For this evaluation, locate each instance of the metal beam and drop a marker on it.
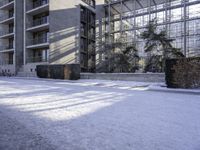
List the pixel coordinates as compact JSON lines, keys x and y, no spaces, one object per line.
{"x":154,"y":2}
{"x":139,"y":3}
{"x":126,"y":6}
{"x":178,"y":21}
{"x":159,"y":10}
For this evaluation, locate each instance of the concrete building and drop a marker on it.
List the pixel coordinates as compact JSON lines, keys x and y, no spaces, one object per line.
{"x":8,"y":35}
{"x":48,"y":31}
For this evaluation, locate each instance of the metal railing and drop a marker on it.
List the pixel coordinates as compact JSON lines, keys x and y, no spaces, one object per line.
{"x":6,"y":62}
{"x":7,"y":47}
{"x":2,"y":33}
{"x":5,"y":2}
{"x":37,"y":4}
{"x":40,"y":21}
{"x":36,"y":41}
{"x":5,"y":17}
{"x":37,"y":59}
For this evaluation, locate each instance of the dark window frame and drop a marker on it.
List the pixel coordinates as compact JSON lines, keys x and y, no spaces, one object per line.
{"x":91,"y":3}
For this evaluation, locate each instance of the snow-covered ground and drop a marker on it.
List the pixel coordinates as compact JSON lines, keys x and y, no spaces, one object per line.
{"x":103,"y":115}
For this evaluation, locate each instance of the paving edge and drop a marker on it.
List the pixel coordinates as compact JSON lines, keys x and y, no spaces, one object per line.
{"x":169,"y":90}
{"x":150,"y":88}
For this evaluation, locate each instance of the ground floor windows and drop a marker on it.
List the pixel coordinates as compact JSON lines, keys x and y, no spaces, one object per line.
{"x":38,"y":55}
{"x":6,"y":58}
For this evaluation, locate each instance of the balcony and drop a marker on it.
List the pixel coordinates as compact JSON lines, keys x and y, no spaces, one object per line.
{"x":38,"y":43}
{"x":37,"y":7}
{"x":7,"y":48}
{"x":6,"y":4}
{"x":6,"y":19}
{"x":6,"y":34}
{"x":39,"y":24}
{"x":37,"y":59}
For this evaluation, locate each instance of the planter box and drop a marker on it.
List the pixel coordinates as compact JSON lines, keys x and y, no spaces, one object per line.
{"x":69,"y":71}
{"x":183,"y":73}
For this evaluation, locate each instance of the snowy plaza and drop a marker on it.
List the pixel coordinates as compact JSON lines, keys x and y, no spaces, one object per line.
{"x":96,"y":115}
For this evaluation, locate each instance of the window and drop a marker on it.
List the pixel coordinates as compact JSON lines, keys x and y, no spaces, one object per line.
{"x":40,"y":37}
{"x":40,"y":55}
{"x":11,"y":13}
{"x":11,"y":28}
{"x":90,"y":2}
{"x":10,"y":58}
{"x":38,"y":3}
{"x":10,"y":43}
{"x":40,"y":19}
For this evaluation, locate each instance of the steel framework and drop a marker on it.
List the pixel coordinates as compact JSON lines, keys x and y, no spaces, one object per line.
{"x":181,"y":19}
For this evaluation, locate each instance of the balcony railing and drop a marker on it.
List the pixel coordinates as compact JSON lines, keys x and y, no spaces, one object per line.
{"x":8,"y":47}
{"x":40,"y":21}
{"x":37,"y":4}
{"x":37,"y":59}
{"x":5,"y":2}
{"x":3,"y":33}
{"x":6,"y":62}
{"x":37,"y":41}
{"x":6,"y":17}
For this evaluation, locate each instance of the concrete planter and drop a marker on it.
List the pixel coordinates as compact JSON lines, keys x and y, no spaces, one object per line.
{"x":68,"y":72}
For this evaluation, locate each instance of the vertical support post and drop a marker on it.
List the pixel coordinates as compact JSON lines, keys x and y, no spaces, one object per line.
{"x":149,"y":9}
{"x":133,"y":23}
{"x":109,"y":22}
{"x":134,"y":11}
{"x":169,"y":19}
{"x":166,"y":15}
{"x":185,"y":27}
{"x":121,"y":22}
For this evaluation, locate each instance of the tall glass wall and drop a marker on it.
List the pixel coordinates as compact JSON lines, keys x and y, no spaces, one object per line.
{"x":181,"y":19}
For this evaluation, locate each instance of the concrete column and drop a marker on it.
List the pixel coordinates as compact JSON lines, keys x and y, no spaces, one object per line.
{"x":19,"y":36}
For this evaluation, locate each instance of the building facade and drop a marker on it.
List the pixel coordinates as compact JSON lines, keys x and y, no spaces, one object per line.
{"x":47,"y":32}
{"x":8,"y":35}
{"x":36,"y":32}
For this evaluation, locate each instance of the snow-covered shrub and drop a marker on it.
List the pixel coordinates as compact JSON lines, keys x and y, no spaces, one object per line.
{"x":183,"y":73}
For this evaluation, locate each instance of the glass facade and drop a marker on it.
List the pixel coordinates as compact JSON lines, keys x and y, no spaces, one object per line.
{"x":180,"y":18}
{"x":87,"y":40}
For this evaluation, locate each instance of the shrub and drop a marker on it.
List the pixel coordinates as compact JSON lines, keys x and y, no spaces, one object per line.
{"x":183,"y":73}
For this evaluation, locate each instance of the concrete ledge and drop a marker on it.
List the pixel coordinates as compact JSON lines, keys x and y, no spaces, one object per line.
{"x":139,"y":77}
